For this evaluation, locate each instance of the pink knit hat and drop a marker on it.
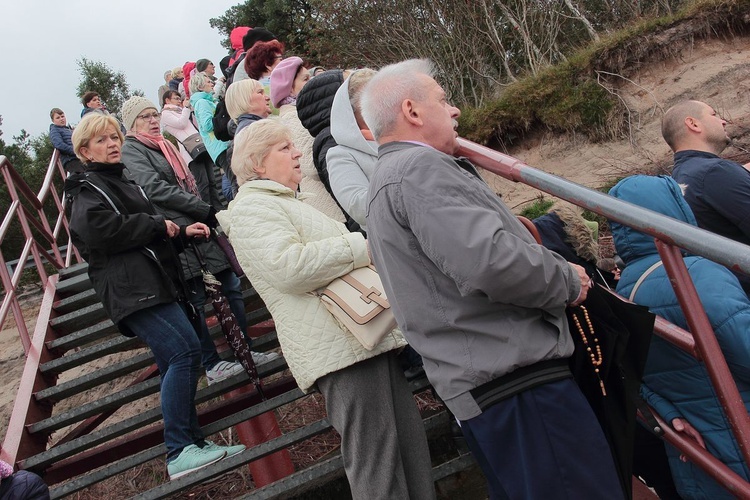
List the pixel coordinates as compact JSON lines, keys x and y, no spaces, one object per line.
{"x":282,"y":79}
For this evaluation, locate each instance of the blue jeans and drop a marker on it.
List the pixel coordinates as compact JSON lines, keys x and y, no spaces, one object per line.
{"x":230,"y":287}
{"x":166,"y":329}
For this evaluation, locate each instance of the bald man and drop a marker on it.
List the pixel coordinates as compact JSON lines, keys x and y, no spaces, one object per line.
{"x":717,"y":190}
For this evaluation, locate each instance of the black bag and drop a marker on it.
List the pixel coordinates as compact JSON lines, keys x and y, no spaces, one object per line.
{"x":194,"y":145}
{"x":221,"y":121}
{"x":231,"y":70}
{"x":623,"y":331}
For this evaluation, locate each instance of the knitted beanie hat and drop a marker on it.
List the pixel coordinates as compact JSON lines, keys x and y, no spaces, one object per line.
{"x":132,"y":108}
{"x":282,"y":79}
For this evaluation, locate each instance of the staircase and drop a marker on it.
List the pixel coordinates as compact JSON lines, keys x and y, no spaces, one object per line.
{"x":81,"y":373}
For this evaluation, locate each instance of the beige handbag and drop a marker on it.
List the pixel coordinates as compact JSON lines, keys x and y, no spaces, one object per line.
{"x":358,"y":301}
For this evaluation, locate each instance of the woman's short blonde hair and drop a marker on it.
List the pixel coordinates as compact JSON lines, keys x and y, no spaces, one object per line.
{"x":252,"y":145}
{"x":91,"y":125}
{"x":239,"y":96}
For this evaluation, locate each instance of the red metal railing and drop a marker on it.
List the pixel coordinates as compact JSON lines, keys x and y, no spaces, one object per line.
{"x":670,"y":235}
{"x":45,"y":250}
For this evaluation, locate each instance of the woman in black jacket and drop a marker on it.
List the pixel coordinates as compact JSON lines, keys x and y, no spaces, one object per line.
{"x":133,"y":269}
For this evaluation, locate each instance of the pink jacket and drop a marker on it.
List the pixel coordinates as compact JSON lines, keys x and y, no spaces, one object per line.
{"x":176,"y":121}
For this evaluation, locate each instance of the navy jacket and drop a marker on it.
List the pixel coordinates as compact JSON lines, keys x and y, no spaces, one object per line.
{"x":718,"y":192}
{"x":675,"y":384}
{"x":60,"y":137}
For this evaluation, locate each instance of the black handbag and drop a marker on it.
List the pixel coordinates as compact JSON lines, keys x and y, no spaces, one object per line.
{"x":194,"y":145}
{"x":610,"y":374}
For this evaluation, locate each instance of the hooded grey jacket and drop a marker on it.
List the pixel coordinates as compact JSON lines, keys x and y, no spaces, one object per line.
{"x":471,"y":290}
{"x":351,"y":163}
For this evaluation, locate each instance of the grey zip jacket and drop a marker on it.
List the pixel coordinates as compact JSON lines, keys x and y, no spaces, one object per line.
{"x":471,"y":290}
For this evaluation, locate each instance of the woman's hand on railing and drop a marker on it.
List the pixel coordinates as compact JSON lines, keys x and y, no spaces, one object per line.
{"x":683,"y":426}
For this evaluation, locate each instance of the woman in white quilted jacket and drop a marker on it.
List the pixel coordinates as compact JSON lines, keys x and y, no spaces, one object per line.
{"x":289,"y":249}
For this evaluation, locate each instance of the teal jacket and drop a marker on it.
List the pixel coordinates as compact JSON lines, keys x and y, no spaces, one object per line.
{"x":674,"y":383}
{"x":204,"y":108}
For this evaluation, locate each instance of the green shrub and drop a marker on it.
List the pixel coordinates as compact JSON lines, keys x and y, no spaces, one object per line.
{"x":537,"y":208}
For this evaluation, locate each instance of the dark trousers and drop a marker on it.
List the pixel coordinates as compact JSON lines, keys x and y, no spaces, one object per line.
{"x":544,"y":443}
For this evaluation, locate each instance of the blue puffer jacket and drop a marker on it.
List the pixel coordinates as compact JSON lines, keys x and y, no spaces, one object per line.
{"x":675,"y":384}
{"x":61,"y":138}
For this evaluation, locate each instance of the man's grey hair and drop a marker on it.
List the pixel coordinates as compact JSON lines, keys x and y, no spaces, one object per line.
{"x":384,"y":94}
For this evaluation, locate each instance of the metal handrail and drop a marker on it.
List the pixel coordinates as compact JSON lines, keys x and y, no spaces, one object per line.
{"x":670,"y":235}
{"x":18,"y":191}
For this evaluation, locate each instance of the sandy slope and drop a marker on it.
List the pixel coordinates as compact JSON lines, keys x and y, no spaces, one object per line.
{"x":717,"y":72}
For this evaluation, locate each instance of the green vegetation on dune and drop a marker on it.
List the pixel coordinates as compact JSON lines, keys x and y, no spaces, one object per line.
{"x":578,"y":95}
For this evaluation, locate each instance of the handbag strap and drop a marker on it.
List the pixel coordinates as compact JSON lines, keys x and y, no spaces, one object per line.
{"x":640,"y":281}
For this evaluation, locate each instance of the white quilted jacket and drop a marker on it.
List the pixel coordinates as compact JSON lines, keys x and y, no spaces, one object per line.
{"x":287,"y":249}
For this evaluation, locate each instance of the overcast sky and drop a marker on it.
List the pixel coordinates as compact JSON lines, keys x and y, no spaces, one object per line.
{"x":41,"y":40}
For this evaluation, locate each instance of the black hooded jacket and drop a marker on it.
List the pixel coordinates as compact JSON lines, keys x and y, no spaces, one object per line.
{"x":132,"y":263}
{"x":314,"y":110}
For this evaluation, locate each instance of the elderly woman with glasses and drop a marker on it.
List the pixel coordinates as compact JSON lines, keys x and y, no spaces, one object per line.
{"x":134,"y":271}
{"x":156,"y":165}
{"x":288,"y":250}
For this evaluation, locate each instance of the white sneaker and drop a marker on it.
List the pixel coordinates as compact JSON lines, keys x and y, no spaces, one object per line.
{"x":223,"y":370}
{"x":263,"y":357}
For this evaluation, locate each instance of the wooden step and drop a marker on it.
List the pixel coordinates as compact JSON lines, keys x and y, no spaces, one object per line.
{"x":74,"y":270}
{"x":94,"y":333}
{"x":83,"y":443}
{"x":119,"y":343}
{"x":212,"y":471}
{"x":74,"y":284}
{"x":118,"y":399}
{"x":76,"y":301}
{"x":78,"y":319}
{"x":88,"y":381}
{"x":110,"y":372}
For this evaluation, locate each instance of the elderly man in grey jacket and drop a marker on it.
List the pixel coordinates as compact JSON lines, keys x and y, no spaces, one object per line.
{"x":479,"y":300}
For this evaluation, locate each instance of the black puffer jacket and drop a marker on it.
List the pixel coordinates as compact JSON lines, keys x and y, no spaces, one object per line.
{"x":150,"y":170}
{"x":117,"y":230}
{"x":314,"y":111}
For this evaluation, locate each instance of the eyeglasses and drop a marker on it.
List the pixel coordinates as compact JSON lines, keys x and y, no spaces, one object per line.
{"x":279,"y":57}
{"x":149,"y":117}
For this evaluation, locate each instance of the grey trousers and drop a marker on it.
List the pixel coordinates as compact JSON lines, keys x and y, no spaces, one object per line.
{"x":383,"y":443}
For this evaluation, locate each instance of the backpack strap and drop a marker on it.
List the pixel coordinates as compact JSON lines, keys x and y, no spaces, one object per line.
{"x":638,"y":283}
